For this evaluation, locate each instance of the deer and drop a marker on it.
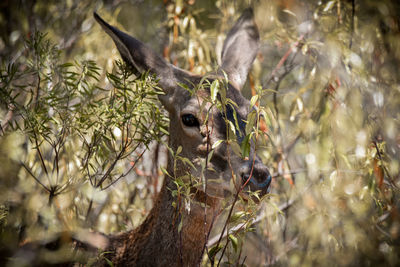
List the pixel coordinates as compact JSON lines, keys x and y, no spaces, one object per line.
{"x":171,"y":236}
{"x":157,"y":241}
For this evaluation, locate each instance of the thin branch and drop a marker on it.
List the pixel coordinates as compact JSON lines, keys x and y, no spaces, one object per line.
{"x":241,"y":189}
{"x":259,"y":218}
{"x":40,"y":153}
{"x":88,"y":210}
{"x":34,"y":177}
{"x":111,"y":168}
{"x":288,"y":245}
{"x":353,"y":12}
{"x":283,"y":59}
{"x":233,"y":205}
{"x":244,"y":259}
{"x":8,"y":117}
{"x":206,"y":232}
{"x":124,"y":174}
{"x":383,"y":166}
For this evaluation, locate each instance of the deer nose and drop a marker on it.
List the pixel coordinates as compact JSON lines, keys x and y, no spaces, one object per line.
{"x":256,"y":177}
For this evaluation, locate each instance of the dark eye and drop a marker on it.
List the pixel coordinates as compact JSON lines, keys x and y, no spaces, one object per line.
{"x":190,"y":120}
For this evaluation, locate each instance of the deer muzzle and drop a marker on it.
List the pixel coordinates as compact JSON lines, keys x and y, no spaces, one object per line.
{"x":255,"y":177}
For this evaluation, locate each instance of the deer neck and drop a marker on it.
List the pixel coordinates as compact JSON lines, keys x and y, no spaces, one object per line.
{"x":158,"y":242}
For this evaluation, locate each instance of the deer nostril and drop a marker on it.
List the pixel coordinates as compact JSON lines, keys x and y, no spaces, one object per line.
{"x":265,"y":183}
{"x":259,"y":180}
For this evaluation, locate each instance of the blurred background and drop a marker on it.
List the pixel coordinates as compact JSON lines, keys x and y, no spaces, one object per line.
{"x":328,"y":84}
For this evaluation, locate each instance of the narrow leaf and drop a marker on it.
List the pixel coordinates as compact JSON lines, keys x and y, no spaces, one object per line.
{"x":245,"y":146}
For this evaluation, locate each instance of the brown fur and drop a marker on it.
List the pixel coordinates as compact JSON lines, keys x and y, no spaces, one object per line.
{"x":157,"y":241}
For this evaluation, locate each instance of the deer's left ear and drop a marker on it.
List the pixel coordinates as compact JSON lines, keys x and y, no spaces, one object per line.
{"x":143,"y":59}
{"x":240,"y":49}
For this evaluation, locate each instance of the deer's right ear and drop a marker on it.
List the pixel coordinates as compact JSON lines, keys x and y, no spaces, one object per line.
{"x":143,"y":59}
{"x":240,"y":49}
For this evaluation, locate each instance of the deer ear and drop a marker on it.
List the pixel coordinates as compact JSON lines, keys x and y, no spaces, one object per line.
{"x":240,"y":49}
{"x":143,"y":59}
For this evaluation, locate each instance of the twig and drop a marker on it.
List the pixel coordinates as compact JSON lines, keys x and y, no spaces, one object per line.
{"x":206,"y":232}
{"x":8,"y":117}
{"x":240,"y":189}
{"x":34,"y":177}
{"x":245,"y":257}
{"x":353,"y":12}
{"x":260,"y":217}
{"x":235,"y":200}
{"x":288,"y":245}
{"x":383,"y":166}
{"x":40,"y":154}
{"x":111,"y":168}
{"x":275,"y":98}
{"x":383,"y":232}
{"x":283,"y":59}
{"x":124,"y":174}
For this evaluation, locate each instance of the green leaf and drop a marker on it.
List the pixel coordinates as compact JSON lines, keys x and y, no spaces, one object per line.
{"x":184,"y":86}
{"x":187,"y":161}
{"x":236,"y":148}
{"x":251,"y":119}
{"x":234,"y":241}
{"x":232,"y":127}
{"x":163,"y":170}
{"x":214,"y":90}
{"x":235,"y":217}
{"x":109,"y":262}
{"x":253,"y":100}
{"x":209,"y":156}
{"x":245,"y":146}
{"x":329,"y":5}
{"x":180,"y":226}
{"x":164,"y":131}
{"x":179,"y":150}
{"x":214,"y":250}
{"x":217,"y":143}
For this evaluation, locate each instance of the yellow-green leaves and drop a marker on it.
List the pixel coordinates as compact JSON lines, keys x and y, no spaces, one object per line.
{"x":254,"y":100}
{"x":214,"y":250}
{"x":246,"y":145}
{"x":251,"y":121}
{"x":234,"y":241}
{"x":214,"y":90}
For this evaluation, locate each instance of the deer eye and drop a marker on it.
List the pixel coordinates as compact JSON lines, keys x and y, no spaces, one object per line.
{"x":190,"y":120}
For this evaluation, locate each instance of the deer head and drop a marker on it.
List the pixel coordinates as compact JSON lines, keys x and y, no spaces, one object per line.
{"x":196,"y":124}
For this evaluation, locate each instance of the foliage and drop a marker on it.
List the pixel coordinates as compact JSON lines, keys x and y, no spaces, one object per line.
{"x":79,"y":139}
{"x":326,"y":87}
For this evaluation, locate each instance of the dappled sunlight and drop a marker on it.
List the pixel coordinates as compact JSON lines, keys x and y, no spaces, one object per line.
{"x":83,"y":145}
